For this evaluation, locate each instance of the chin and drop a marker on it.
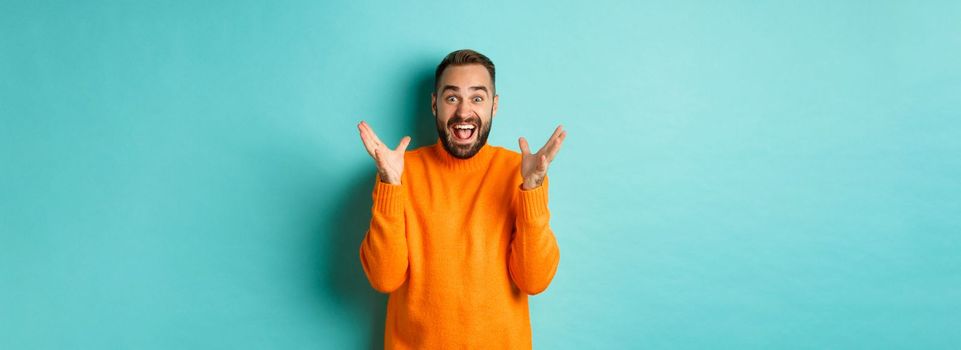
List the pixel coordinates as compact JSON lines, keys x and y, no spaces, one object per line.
{"x":468,"y":144}
{"x":464,"y":151}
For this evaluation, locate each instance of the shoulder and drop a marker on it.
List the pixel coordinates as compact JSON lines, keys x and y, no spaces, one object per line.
{"x":507,"y":162}
{"x":505,"y":151}
{"x":505,"y":155}
{"x":417,"y":152}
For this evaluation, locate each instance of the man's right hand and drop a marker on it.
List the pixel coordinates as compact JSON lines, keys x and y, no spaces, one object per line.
{"x":390,"y":162}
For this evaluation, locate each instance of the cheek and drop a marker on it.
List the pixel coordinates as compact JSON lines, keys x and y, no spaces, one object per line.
{"x":446,"y":111}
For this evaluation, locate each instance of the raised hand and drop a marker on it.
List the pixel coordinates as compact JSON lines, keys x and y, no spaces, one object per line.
{"x":534,"y":165}
{"x":390,"y":162}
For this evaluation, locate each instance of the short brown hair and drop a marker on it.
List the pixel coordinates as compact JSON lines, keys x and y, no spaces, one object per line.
{"x":461,"y":58}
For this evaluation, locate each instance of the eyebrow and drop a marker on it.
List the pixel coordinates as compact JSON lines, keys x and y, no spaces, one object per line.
{"x":452,"y":87}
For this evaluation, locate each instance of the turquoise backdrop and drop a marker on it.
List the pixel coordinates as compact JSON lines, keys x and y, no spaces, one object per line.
{"x":737,"y":175}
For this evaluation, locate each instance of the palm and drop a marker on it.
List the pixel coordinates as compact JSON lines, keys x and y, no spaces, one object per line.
{"x":534,"y":165}
{"x":531,"y":164}
{"x":390,"y":162}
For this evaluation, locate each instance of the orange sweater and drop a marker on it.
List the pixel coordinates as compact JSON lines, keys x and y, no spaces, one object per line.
{"x":459,"y":246}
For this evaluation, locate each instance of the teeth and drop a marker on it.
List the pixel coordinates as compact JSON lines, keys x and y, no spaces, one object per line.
{"x":464,"y":126}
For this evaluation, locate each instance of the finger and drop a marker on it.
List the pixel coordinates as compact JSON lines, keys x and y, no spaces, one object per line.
{"x":402,"y":146}
{"x":524,"y":148}
{"x":542,"y":167}
{"x":371,"y":134}
{"x":550,"y":140}
{"x":556,"y":146}
{"x":553,"y":145}
{"x":558,"y":131}
{"x":368,"y":143}
{"x":365,"y":130}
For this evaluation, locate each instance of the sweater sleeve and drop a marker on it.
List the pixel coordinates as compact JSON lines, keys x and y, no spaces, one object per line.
{"x":383,"y":252}
{"x":534,"y":253}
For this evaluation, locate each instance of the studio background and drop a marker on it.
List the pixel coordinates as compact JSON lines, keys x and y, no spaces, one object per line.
{"x":737,"y":175}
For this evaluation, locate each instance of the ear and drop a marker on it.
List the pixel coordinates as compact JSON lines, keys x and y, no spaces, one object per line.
{"x":494,"y":109}
{"x":433,"y":103}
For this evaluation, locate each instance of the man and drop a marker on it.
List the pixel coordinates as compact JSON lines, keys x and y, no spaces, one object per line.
{"x":460,"y":232}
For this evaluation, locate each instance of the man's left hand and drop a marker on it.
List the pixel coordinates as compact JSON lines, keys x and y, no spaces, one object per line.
{"x":534,"y":165}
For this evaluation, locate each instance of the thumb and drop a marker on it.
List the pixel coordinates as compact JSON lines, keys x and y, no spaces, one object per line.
{"x":402,"y":146}
{"x":524,"y":148}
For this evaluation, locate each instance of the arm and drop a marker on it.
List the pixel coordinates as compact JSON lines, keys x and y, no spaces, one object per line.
{"x":534,"y":253}
{"x":383,"y":252}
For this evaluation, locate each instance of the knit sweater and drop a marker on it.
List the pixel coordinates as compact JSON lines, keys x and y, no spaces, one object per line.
{"x":459,"y":246}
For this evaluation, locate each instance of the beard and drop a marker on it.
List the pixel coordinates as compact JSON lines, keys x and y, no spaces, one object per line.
{"x":463,"y":151}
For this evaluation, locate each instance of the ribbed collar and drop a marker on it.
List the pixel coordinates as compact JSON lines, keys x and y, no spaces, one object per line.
{"x":479,"y":161}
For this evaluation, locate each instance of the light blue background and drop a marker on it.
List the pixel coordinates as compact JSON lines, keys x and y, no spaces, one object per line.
{"x":188,"y":175}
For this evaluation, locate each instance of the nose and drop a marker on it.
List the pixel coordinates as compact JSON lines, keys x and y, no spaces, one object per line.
{"x":463,"y":110}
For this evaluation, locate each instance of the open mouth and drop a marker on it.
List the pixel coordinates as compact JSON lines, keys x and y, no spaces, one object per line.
{"x":463,"y":132}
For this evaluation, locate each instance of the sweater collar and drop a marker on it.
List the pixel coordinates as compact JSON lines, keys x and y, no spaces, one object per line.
{"x":479,"y":161}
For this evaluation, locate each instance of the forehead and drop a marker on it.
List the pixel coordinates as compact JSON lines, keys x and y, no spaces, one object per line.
{"x":465,"y":75}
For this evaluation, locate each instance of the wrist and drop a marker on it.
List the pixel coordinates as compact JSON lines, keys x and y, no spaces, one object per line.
{"x":530,"y":184}
{"x":388,"y":179}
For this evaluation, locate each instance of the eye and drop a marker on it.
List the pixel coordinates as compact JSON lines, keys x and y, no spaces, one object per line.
{"x":478,"y":99}
{"x":451,"y":99}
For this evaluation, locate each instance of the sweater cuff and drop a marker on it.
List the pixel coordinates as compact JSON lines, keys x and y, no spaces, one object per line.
{"x":388,"y":199}
{"x":532,"y":204}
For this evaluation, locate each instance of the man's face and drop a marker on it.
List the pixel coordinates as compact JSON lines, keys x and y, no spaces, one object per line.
{"x":464,"y":106}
